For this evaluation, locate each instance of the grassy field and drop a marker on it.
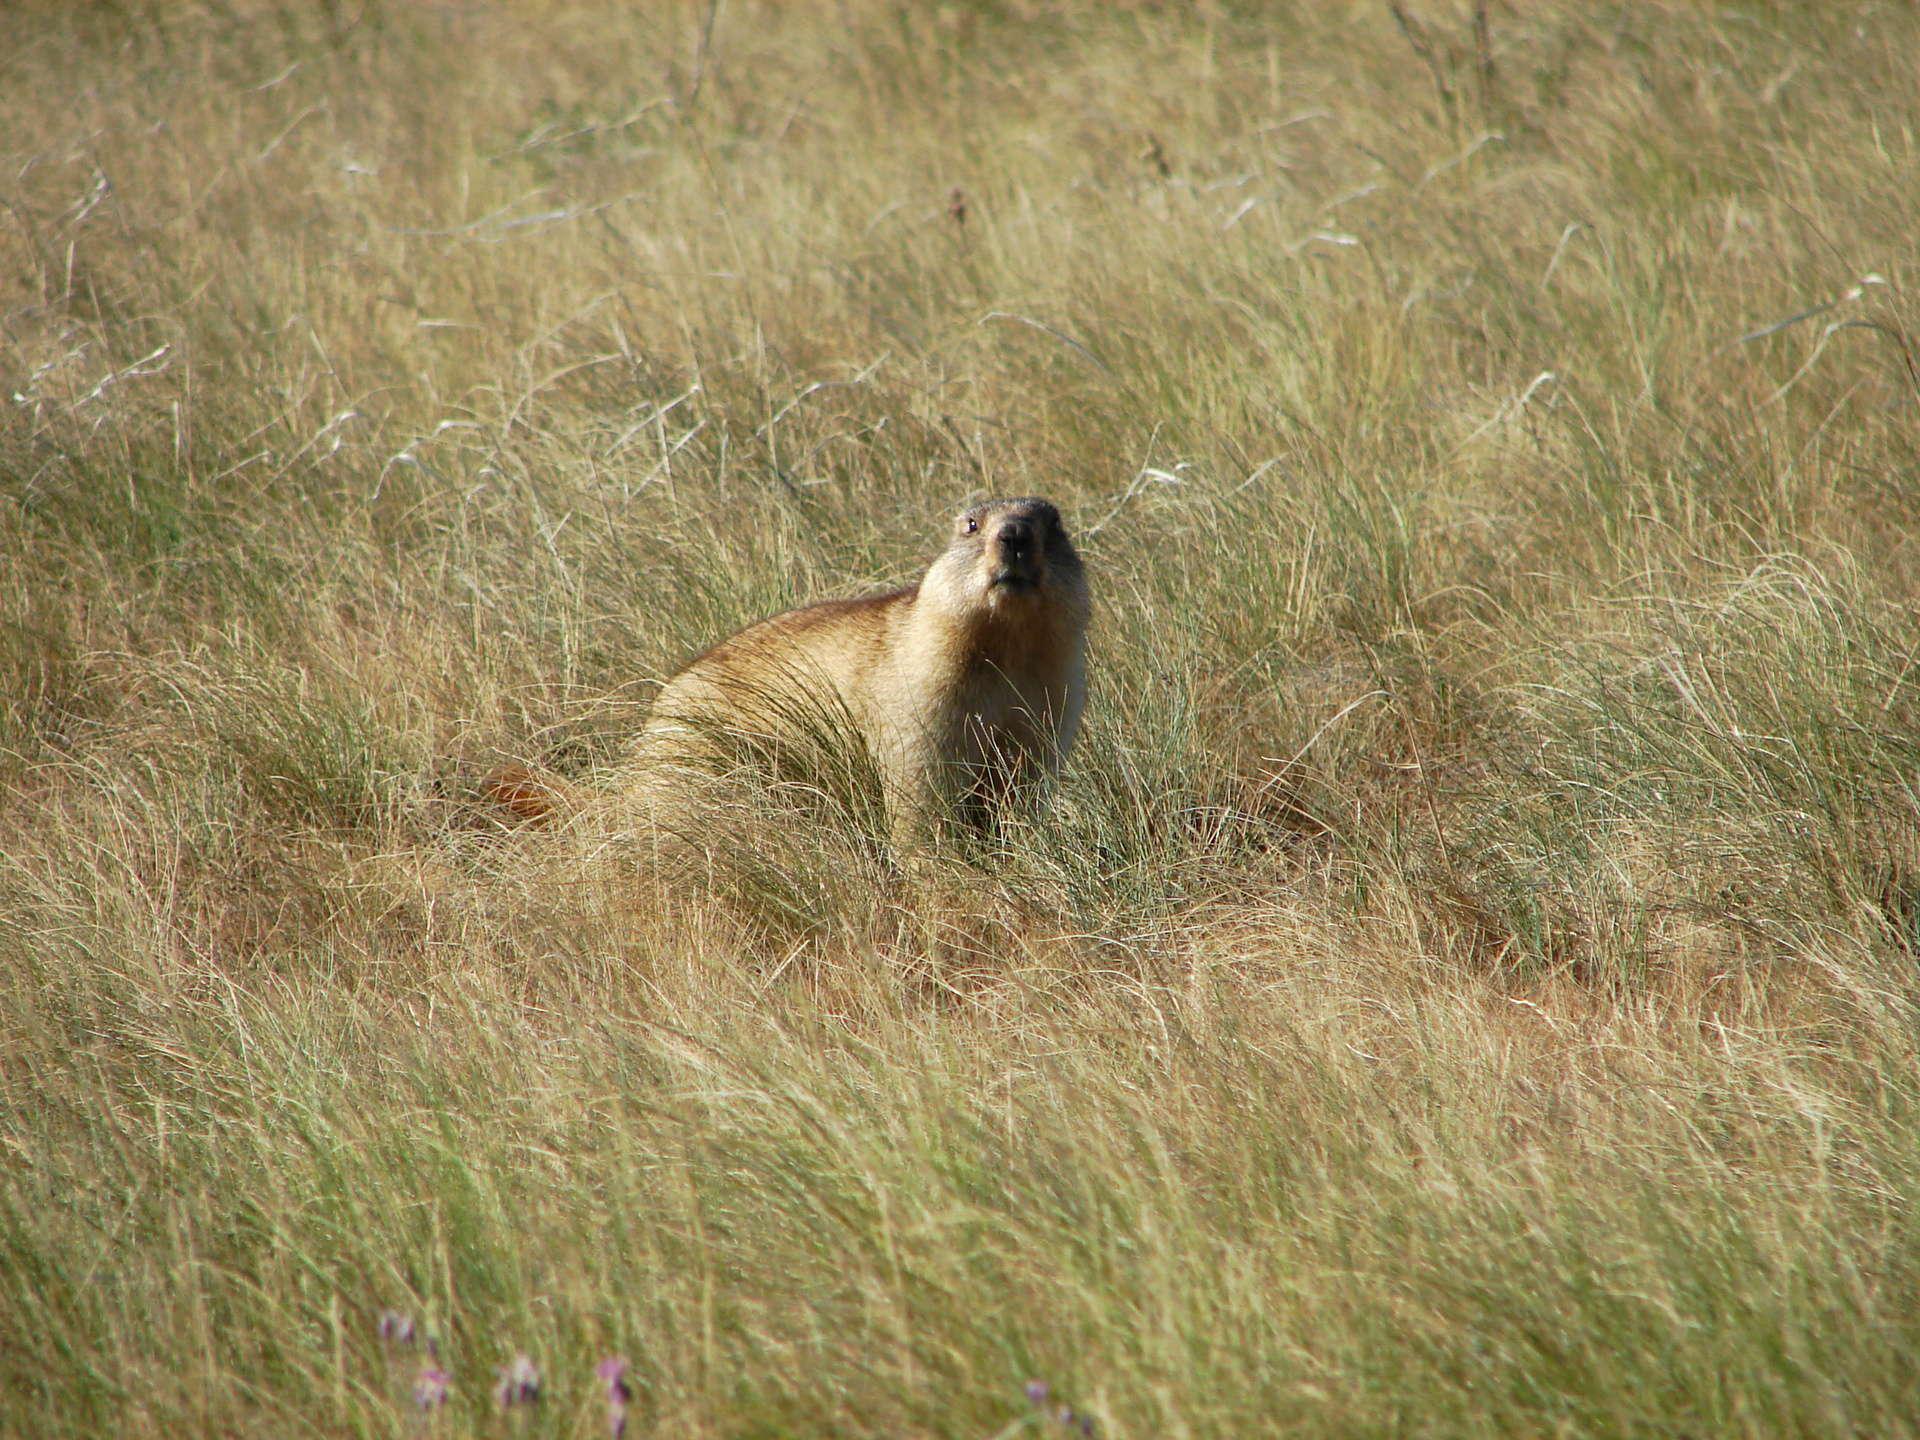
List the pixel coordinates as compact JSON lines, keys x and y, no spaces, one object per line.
{"x":1465,"y":983}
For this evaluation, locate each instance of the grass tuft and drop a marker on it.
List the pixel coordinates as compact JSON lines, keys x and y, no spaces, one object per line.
{"x":1463,"y":981}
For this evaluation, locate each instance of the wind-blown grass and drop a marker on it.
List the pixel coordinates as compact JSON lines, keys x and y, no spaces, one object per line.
{"x":1464,"y":980}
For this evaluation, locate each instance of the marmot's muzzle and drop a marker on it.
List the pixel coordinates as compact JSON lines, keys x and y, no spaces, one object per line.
{"x":1016,"y":553}
{"x":1016,"y":572}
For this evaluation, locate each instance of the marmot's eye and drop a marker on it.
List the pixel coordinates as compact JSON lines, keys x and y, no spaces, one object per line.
{"x":972,"y":524}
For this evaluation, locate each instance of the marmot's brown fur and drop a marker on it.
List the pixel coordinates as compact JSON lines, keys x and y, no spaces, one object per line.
{"x":958,"y":686}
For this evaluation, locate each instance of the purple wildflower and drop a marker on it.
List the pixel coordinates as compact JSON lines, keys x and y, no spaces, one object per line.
{"x":430,"y":1390}
{"x":1038,"y":1391}
{"x":612,"y":1373}
{"x":519,"y":1383}
{"x":396,"y":1327}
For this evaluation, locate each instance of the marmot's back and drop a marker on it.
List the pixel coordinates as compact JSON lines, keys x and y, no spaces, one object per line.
{"x":957,"y":687}
{"x":756,"y":680}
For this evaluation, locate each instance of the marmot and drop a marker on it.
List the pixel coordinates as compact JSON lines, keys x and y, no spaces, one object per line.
{"x":959,"y":686}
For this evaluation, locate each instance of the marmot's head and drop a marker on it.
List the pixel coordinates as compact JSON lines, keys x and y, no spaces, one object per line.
{"x":1006,"y":555}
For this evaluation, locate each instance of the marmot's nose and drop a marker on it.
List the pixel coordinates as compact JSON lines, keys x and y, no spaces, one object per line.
{"x":1016,"y":537}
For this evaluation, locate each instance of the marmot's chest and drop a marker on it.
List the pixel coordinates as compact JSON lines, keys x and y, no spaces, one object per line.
{"x":999,"y":695}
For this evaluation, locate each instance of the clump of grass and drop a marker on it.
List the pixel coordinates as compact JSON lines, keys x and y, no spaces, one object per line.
{"x":1464,"y":977}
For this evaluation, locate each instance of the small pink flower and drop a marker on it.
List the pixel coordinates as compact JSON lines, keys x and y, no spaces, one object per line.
{"x":519,"y":1383}
{"x":612,"y":1373}
{"x":396,"y":1327}
{"x":430,"y":1390}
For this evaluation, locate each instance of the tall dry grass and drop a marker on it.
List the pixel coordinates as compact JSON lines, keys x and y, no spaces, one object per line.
{"x":1465,"y":981}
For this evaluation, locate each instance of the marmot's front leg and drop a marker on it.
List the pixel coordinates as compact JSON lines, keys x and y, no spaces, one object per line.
{"x":913,"y":792}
